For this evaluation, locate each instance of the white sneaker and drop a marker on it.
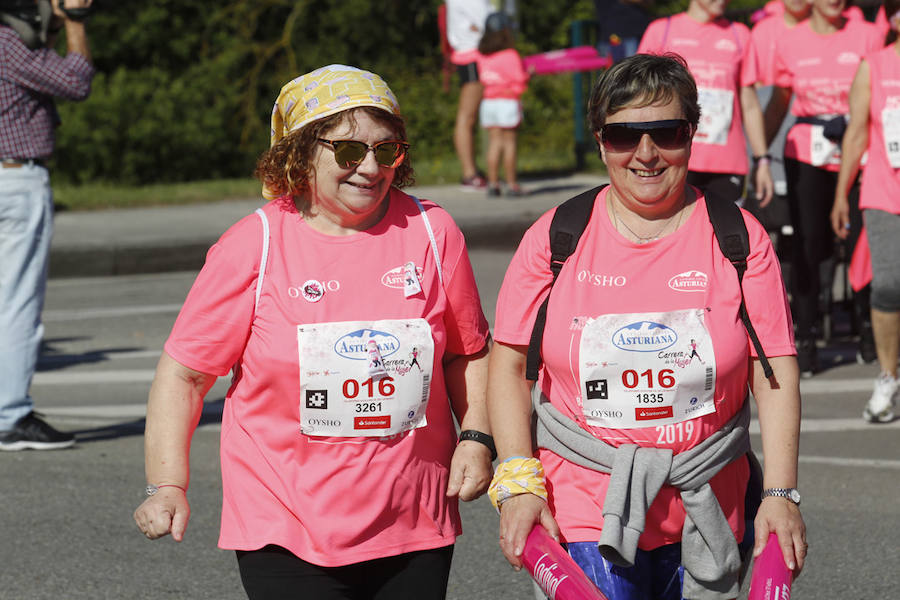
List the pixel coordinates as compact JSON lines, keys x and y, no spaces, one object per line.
{"x":880,"y":408}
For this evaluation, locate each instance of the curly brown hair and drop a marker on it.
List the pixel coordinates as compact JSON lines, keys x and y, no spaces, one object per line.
{"x":286,"y":167}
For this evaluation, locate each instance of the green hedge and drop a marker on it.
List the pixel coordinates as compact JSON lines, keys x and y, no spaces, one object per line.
{"x":184,"y":88}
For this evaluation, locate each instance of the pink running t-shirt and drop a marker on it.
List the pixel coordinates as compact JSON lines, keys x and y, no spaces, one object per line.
{"x":715,"y":53}
{"x":819,"y":69}
{"x":610,"y":275}
{"x":880,"y":185}
{"x":762,"y":46}
{"x":502,"y":74}
{"x":329,"y":500}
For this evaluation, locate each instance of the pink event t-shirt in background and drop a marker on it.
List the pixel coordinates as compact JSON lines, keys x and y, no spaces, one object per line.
{"x":715,"y":53}
{"x":819,"y":69}
{"x":331,"y":501}
{"x":502,"y":74}
{"x":608,"y":274}
{"x":762,"y":46}
{"x":880,"y":185}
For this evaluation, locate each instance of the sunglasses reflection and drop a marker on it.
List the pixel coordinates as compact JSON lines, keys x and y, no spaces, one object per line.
{"x":669,"y":134}
{"x":349,"y":153}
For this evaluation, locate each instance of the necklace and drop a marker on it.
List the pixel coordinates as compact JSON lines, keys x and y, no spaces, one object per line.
{"x":641,"y":239}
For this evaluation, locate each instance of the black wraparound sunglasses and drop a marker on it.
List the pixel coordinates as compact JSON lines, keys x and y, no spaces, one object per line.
{"x":668,"y":134}
{"x":349,"y":153}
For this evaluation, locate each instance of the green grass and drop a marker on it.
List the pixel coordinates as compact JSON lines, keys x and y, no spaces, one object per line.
{"x":436,"y":171}
{"x":96,"y":196}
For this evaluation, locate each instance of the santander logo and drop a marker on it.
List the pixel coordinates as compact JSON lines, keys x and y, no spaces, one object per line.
{"x":689,"y":281}
{"x":545,"y":576}
{"x":395,"y":277}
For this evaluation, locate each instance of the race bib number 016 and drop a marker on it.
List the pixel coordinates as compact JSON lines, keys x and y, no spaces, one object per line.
{"x":364,"y":378}
{"x":646,"y":370}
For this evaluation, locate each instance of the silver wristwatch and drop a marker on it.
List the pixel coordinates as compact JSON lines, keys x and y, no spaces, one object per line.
{"x":790,"y":493}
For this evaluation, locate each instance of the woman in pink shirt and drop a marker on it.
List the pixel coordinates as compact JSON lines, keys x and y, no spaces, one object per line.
{"x":644,"y":357}
{"x":716,"y":51}
{"x":341,"y":466}
{"x":815,"y":64}
{"x":874,"y":127}
{"x":766,"y":32}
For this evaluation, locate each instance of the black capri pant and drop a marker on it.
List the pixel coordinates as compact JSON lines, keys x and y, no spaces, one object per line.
{"x":810,"y":196}
{"x":273,"y":573}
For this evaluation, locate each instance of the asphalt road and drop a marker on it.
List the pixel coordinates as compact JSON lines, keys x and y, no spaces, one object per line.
{"x":66,"y":530}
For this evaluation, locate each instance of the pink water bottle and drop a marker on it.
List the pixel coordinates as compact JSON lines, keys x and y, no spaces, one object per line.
{"x":555,"y":571}
{"x":771,"y":577}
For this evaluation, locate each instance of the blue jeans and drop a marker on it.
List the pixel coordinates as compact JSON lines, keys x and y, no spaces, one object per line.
{"x":26,"y":226}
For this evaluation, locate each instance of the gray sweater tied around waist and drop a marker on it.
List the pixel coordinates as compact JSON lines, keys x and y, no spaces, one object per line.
{"x":709,"y":551}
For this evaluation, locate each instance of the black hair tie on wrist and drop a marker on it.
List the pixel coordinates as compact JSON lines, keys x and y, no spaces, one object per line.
{"x":481,"y":438}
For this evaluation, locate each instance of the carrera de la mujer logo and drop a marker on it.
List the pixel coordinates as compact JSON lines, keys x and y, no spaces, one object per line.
{"x":644,"y":336}
{"x":353,"y":345}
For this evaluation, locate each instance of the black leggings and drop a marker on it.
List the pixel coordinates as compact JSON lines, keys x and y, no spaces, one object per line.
{"x":810,"y":194}
{"x":273,"y":573}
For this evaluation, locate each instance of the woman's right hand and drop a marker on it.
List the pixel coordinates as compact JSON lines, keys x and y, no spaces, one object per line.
{"x":518,"y":516}
{"x":840,"y":216}
{"x":165,"y":512}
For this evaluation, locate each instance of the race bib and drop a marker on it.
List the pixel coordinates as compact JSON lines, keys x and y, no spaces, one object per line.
{"x":890,"y":121}
{"x":822,"y":151}
{"x":646,"y":370}
{"x":364,"y":378}
{"x":716,"y":110}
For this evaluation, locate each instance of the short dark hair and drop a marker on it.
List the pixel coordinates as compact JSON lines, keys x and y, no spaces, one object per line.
{"x":286,"y":167}
{"x":642,"y":80}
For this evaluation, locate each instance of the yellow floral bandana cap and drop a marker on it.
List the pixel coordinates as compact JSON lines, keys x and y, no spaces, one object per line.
{"x":324,"y":92}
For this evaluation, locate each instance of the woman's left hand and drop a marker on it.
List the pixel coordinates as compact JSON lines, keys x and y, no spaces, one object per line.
{"x":781,"y":516}
{"x":470,"y":471}
{"x":765,"y":187}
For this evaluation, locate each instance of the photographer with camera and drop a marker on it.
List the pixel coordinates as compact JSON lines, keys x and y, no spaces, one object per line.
{"x":32,"y":74}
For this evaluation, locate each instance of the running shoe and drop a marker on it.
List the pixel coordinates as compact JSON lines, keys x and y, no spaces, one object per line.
{"x":493,"y":191}
{"x":475,"y":183}
{"x":516,"y":192}
{"x":33,"y":433}
{"x":807,"y":358}
{"x":880,"y":408}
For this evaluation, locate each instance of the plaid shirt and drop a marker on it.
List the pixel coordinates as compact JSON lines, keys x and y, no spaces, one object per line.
{"x":29,"y":80}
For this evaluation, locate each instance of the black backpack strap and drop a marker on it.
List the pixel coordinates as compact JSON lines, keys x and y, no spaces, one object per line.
{"x":734,"y":241}
{"x":569,"y":222}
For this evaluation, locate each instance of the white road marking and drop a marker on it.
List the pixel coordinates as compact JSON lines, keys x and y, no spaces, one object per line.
{"x":878,"y":463}
{"x":93,"y":377}
{"x":835,"y":386}
{"x":76,"y":359}
{"x":80,"y":314}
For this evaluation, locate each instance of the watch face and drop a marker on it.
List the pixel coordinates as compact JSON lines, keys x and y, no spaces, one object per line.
{"x":794,"y":495}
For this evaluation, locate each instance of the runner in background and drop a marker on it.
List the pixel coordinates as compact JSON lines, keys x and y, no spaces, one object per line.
{"x":505,"y":80}
{"x":766,"y":32}
{"x":874,"y":127}
{"x":716,"y":53}
{"x":816,"y":64}
{"x":783,"y":15}
{"x":465,"y":26}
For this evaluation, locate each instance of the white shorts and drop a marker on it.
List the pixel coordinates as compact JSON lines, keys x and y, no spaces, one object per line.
{"x":500,"y":112}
